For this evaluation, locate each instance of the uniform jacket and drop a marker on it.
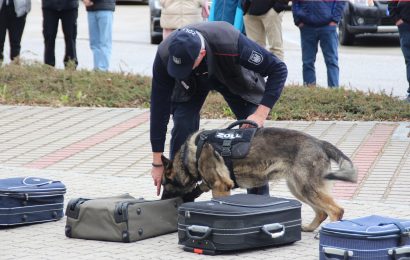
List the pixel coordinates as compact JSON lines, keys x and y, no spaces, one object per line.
{"x":232,"y":60}
{"x":178,"y":13}
{"x":21,"y":7}
{"x":317,"y":13}
{"x":102,"y":5}
{"x":399,"y":10}
{"x":59,"y":5}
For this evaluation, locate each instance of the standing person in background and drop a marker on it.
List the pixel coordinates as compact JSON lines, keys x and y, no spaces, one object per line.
{"x":317,"y":21}
{"x":228,"y":11}
{"x":67,"y":12}
{"x":263,"y":20}
{"x":400,"y":11}
{"x":100,"y":18}
{"x":178,"y":13}
{"x":13,"y":15}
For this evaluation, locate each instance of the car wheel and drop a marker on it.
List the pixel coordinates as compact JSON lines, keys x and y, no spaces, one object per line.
{"x":345,"y":38}
{"x":156,"y":39}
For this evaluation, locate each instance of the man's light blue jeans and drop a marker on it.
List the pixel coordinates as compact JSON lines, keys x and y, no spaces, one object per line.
{"x":100,"y":30}
{"x":327,"y":37}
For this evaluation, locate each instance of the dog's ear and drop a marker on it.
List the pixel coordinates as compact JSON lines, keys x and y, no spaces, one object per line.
{"x":166,"y":162}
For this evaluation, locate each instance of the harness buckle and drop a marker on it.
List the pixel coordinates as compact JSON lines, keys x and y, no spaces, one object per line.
{"x":226,"y":148}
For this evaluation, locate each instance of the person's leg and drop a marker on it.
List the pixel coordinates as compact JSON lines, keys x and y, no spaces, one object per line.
{"x":3,"y":30}
{"x":242,"y":109}
{"x":404,"y":31}
{"x":329,"y":44}
{"x":272,"y":22}
{"x":105,"y":19}
{"x":309,"y":42}
{"x":186,"y":117}
{"x":50,"y":25}
{"x":69,"y":24}
{"x":254,"y":29}
{"x":94,"y":35}
{"x":15,"y":34}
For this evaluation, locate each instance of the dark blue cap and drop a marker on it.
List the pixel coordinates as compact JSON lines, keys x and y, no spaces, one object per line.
{"x":183,"y":51}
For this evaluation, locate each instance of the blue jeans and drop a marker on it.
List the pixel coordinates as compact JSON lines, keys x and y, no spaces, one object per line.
{"x":404,"y":31}
{"x":100,"y":30}
{"x":328,"y":39}
{"x":186,"y":116}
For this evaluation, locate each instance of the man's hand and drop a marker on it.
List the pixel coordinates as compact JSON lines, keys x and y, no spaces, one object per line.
{"x":156,"y":173}
{"x":258,"y":117}
{"x":400,"y":21}
{"x":205,"y":10}
{"x":332,"y":24}
{"x":301,"y":25}
{"x":88,"y":3}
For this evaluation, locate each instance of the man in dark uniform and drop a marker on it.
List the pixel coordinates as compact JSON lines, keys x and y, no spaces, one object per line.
{"x":203,"y":57}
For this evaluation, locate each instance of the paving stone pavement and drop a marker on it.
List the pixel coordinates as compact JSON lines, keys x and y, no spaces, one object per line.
{"x":106,"y":151}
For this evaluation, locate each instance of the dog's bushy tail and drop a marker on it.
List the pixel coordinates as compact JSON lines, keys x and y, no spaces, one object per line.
{"x":347,"y":171}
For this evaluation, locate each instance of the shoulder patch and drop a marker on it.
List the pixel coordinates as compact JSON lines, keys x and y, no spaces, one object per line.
{"x":255,"y":58}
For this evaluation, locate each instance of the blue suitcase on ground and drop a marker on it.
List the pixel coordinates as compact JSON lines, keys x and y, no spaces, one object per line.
{"x":30,"y":200}
{"x":368,"y":238}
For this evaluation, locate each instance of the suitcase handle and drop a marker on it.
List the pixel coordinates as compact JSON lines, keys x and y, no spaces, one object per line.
{"x":336,"y":251}
{"x":241,"y":122}
{"x":198,"y":229}
{"x":279,"y":230}
{"x":395,"y":253}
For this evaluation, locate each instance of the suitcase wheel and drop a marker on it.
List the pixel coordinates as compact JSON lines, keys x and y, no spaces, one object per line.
{"x":68,"y":231}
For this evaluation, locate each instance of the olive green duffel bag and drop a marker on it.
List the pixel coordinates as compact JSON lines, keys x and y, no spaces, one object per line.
{"x":121,"y":218}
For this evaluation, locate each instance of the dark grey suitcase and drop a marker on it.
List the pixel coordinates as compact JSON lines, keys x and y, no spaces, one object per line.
{"x":236,"y":222}
{"x":121,"y":218}
{"x":27,"y":200}
{"x":367,"y":238}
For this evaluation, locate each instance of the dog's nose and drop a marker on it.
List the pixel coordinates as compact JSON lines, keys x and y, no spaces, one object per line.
{"x":167,"y":195}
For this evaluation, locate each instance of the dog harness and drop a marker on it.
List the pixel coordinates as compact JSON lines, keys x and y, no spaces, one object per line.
{"x":229,"y":143}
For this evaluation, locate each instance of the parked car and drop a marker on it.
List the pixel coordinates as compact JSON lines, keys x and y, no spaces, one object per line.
{"x":155,"y":14}
{"x":364,"y":17}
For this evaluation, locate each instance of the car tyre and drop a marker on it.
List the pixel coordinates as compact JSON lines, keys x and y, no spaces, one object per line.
{"x":156,"y":39}
{"x":345,"y":38}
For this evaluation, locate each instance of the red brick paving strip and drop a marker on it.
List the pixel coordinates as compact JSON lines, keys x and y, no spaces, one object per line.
{"x":364,"y":159}
{"x":64,"y":153}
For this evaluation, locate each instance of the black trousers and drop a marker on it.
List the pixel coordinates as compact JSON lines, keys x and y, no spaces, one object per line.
{"x":50,"y":25}
{"x":15,"y":27}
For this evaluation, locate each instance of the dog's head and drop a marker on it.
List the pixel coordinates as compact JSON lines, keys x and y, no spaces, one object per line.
{"x":175,"y":181}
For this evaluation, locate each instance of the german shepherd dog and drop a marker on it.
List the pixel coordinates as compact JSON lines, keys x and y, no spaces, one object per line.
{"x":275,"y":153}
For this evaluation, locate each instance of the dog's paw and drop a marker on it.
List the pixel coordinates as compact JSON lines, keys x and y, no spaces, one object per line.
{"x":308,"y":228}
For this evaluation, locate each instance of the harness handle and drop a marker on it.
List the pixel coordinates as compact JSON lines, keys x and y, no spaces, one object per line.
{"x":241,"y":122}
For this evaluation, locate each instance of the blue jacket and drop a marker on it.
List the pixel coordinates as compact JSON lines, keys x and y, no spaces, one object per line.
{"x":317,"y":12}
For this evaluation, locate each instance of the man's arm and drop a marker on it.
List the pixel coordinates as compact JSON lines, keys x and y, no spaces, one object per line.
{"x":338,"y":10}
{"x":162,"y":86}
{"x":393,"y":12}
{"x":295,"y":12}
{"x":271,"y":67}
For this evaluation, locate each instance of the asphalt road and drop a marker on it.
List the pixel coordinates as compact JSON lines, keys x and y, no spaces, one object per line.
{"x":374,"y":63}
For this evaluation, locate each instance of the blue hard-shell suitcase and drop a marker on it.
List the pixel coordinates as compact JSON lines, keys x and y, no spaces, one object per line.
{"x":26,"y":200}
{"x":372,"y":237}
